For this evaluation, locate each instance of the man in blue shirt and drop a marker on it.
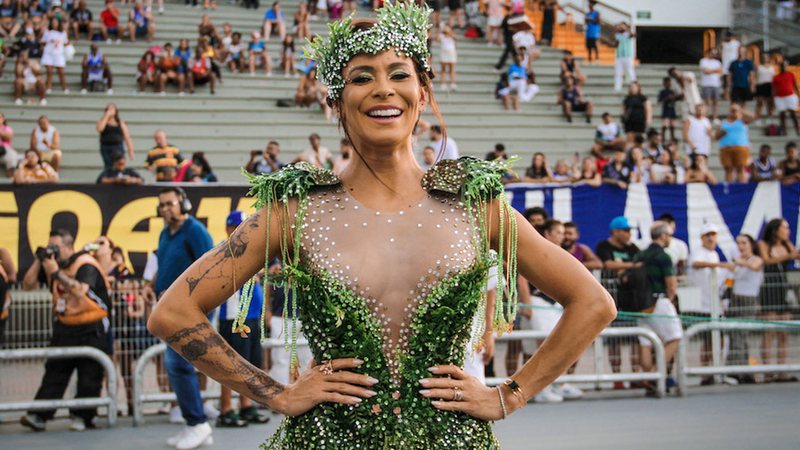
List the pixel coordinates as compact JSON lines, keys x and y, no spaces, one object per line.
{"x":182,"y":241}
{"x":743,"y":81}
{"x":592,"y":31}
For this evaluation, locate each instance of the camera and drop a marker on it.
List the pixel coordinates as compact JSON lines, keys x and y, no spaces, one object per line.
{"x":43,"y":253}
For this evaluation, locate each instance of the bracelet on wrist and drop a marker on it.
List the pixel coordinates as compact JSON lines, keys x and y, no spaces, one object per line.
{"x":516,"y":390}
{"x":502,"y":401}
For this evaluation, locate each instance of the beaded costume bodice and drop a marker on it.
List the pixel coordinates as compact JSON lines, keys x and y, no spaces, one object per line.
{"x":398,"y":290}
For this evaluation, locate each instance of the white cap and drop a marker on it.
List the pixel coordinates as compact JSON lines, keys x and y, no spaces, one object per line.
{"x":708,"y":227}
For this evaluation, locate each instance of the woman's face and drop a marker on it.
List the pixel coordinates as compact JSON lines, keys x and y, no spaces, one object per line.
{"x":382,"y":99}
{"x":744,"y":246}
{"x":31,"y":158}
{"x":634,"y":89}
{"x":103,"y":246}
{"x":665,"y":158}
{"x":791,"y":152}
{"x":588,"y":165}
{"x":783,"y":231}
{"x":538,"y":160}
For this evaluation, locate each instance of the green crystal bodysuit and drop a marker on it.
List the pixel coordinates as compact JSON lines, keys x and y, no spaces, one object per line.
{"x":398,"y":290}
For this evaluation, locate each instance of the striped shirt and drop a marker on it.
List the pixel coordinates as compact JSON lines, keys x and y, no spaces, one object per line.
{"x":624,"y":45}
{"x":162,"y":158}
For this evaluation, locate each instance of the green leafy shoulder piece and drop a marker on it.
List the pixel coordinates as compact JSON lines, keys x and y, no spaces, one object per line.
{"x":292,"y":181}
{"x":477,"y":183}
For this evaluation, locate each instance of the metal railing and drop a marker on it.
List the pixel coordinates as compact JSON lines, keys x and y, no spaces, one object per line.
{"x":61,"y":353}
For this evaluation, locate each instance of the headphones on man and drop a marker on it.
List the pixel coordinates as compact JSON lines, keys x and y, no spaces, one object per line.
{"x":183,"y":201}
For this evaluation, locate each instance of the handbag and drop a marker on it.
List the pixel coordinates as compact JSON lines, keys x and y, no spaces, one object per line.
{"x":69,"y":52}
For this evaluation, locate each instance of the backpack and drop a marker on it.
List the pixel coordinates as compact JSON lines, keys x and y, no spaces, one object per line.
{"x":773,"y":130}
{"x":634,"y":291}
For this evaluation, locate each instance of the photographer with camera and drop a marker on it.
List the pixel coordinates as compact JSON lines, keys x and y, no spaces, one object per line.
{"x":81,"y":307}
{"x":269,"y":161}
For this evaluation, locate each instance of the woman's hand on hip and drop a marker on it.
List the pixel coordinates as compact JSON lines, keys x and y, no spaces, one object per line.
{"x":454,"y":390}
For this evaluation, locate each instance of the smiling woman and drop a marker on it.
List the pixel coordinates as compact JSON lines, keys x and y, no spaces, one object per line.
{"x":388,"y":265}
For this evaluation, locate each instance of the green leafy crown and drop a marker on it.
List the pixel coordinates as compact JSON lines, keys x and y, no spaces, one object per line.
{"x":401,"y":25}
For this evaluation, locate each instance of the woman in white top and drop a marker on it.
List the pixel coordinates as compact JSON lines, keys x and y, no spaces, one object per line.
{"x":46,"y":139}
{"x":448,"y":57}
{"x":748,"y":275}
{"x":697,"y":132}
{"x":55,"y":39}
{"x":764,"y":76}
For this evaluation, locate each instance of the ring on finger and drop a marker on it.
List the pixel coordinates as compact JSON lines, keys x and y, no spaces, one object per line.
{"x":458,"y":394}
{"x":326,"y":367}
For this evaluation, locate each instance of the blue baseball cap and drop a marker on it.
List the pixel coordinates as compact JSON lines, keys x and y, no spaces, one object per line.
{"x":619,"y":223}
{"x":235,"y":218}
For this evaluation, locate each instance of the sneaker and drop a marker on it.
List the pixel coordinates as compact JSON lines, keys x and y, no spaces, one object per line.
{"x":77,"y":424}
{"x":48,"y":91}
{"x":110,"y":92}
{"x":181,"y":94}
{"x":230,"y":420}
{"x":162,"y":93}
{"x":453,"y":86}
{"x":18,"y":102}
{"x":548,"y":396}
{"x":211,"y":412}
{"x":175,"y":415}
{"x":84,"y":92}
{"x":172,"y":441}
{"x":161,"y":10}
{"x":568,"y":391}
{"x":108,"y":41}
{"x":118,"y":41}
{"x":730,"y":381}
{"x":252,"y":415}
{"x":43,"y":102}
{"x":66,"y":91}
{"x":33,"y":422}
{"x":195,"y":437}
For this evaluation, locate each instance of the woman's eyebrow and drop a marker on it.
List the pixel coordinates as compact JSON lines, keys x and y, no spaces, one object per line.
{"x":362,"y":68}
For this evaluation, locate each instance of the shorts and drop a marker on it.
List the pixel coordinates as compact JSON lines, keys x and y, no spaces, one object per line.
{"x":634,"y":126}
{"x":580,"y":107}
{"x":141,"y":31}
{"x":435,"y":5}
{"x":741,"y":94}
{"x":734,"y":156}
{"x":668,"y":112}
{"x":48,"y":156}
{"x":710,"y":92}
{"x":250,"y":347}
{"x":764,"y":90}
{"x":591,"y":43}
{"x":454,"y":4}
{"x":54,"y":59}
{"x":668,"y":329}
{"x":113,"y":30}
{"x":788,"y":103}
{"x":494,"y":21}
{"x":448,"y":56}
{"x":83,"y":28}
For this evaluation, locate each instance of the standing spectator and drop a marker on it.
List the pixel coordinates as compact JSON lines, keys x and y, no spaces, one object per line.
{"x":784,"y":10}
{"x":287,"y":56}
{"x":81,"y":306}
{"x":208,"y":30}
{"x":734,"y":143}
{"x":183,"y":240}
{"x":146,"y":72}
{"x":199,"y":171}
{"x":456,"y":13}
{"x":345,"y":153}
{"x":46,"y":139}
{"x":10,"y":157}
{"x":730,"y":51}
{"x":637,"y":111}
{"x":301,"y":27}
{"x":790,"y":166}
{"x":163,"y":159}
{"x":94,"y":69}
{"x":55,"y":40}
{"x":690,"y":93}
{"x":623,"y":62}
{"x":310,"y":91}
{"x":114,"y":136}
{"x":572,"y":100}
{"x":200,"y":71}
{"x":169,"y":70}
{"x":743,"y":79}
{"x":119,"y":173}
{"x":784,"y":86}
{"x":249,"y":349}
{"x":777,"y":251}
{"x":448,"y":57}
{"x":549,"y":10}
{"x":32,"y":170}
{"x":618,"y":172}
{"x":27,"y":78}
{"x":258,"y":55}
{"x":764,"y":168}
{"x":698,"y":171}
{"x":538,"y":171}
{"x":109,"y":22}
{"x":711,"y":81}
{"x":525,"y":41}
{"x":508,"y":39}
{"x":80,"y":21}
{"x":748,"y":275}
{"x":765,"y":73}
{"x":519,"y":88}
{"x":316,"y":154}
{"x":140,"y":22}
{"x":269,"y":162}
{"x":581,"y":252}
{"x":592,"y":33}
{"x":274,"y":21}
{"x":697,"y":132}
{"x":494,"y":21}
{"x":677,"y":249}
{"x":607,"y":136}
{"x":446,"y":147}
{"x":571,"y":69}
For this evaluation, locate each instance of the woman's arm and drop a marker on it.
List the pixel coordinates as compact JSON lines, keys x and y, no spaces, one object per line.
{"x":126,"y":136}
{"x":33,"y":138}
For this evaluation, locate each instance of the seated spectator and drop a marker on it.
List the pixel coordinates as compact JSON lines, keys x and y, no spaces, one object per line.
{"x":47,"y":141}
{"x":235,"y":54}
{"x":316,"y":154}
{"x":80,"y":21}
{"x":663,"y":171}
{"x":571,"y":69}
{"x":637,"y":112}
{"x":428,"y":157}
{"x":209,"y":31}
{"x":287,"y":56}
{"x":164,"y":158}
{"x":497,"y":154}
{"x":199,"y":171}
{"x":30,"y":43}
{"x":654,"y":146}
{"x":268,"y":161}
{"x":9,"y":157}
{"x":502,"y":91}
{"x":36,"y":17}
{"x":109,"y":22}
{"x":274,"y":22}
{"x":588,"y":173}
{"x":571,"y":100}
{"x":526,"y":39}
{"x":518,"y":81}
{"x":184,"y":52}
{"x":618,"y":172}
{"x":95,"y":70}
{"x":258,"y":55}
{"x":119,"y":173}
{"x":790,"y":166}
{"x":146,"y":72}
{"x":208,"y":51}
{"x":639,"y":163}
{"x":200,"y":71}
{"x":301,"y":27}
{"x":9,"y":25}
{"x":562,"y":172}
{"x":538,"y":172}
{"x":764,"y":168}
{"x":607,"y":136}
{"x":140,"y":22}
{"x":210,"y":4}
{"x":309,"y":92}
{"x":169,"y":70}
{"x":28,"y":78}
{"x":698,"y":171}
{"x":667,"y":97}
{"x":32,"y":170}
{"x":784,"y":86}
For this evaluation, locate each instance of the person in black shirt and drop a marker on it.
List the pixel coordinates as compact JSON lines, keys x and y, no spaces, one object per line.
{"x":81,"y":21}
{"x":508,"y":39}
{"x":618,"y":172}
{"x":637,"y":112}
{"x":572,"y":100}
{"x":119,"y":173}
{"x":9,"y":26}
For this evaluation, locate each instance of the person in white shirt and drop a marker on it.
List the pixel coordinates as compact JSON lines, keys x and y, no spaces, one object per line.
{"x":697,"y":132}
{"x":525,"y":39}
{"x":345,"y":154}
{"x":677,"y":249}
{"x":765,"y":72}
{"x":747,"y":279}
{"x":608,"y":135}
{"x":55,"y":40}
{"x":730,"y":53}
{"x":711,"y":80}
{"x":46,"y":139}
{"x":316,"y":155}
{"x":450,"y":147}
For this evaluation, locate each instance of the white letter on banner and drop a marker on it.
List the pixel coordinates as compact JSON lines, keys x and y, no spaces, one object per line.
{"x":639,"y":213}
{"x":764,"y":206}
{"x":562,"y":204}
{"x":701,"y":207}
{"x":534,"y":197}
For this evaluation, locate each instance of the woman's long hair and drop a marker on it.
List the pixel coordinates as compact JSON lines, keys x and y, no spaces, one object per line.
{"x":770,"y":233}
{"x":199,"y":158}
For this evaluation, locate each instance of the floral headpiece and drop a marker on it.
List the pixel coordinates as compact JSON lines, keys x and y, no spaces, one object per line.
{"x":401,"y":25}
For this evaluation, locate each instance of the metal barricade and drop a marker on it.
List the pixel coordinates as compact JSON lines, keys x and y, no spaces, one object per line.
{"x":684,"y":371}
{"x":61,"y":353}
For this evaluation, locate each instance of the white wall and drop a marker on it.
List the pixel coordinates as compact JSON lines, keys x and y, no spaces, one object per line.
{"x":671,"y":13}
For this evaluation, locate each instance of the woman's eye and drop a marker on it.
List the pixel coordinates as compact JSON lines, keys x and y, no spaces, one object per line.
{"x":399,"y":76}
{"x":361,"y":79}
